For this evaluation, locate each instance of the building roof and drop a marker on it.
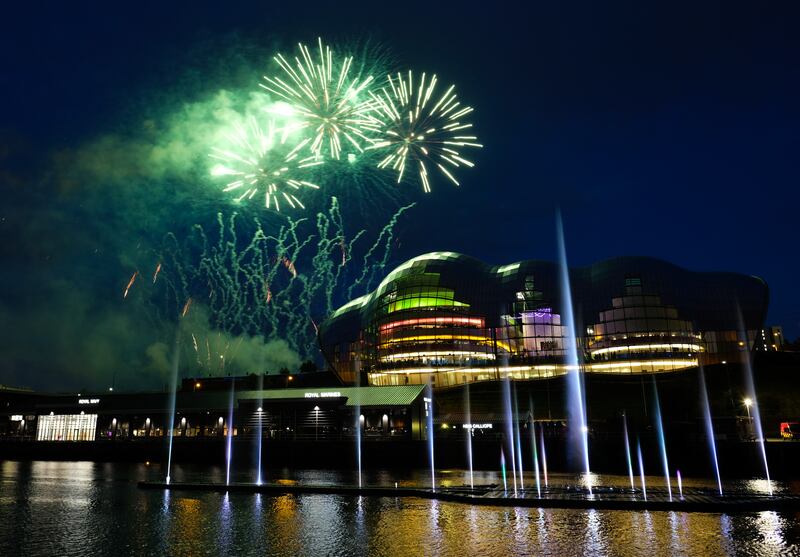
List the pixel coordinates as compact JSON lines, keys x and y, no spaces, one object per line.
{"x":402,"y":395}
{"x":713,"y":301}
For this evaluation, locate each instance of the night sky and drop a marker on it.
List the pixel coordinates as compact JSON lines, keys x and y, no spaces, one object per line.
{"x":667,"y":130}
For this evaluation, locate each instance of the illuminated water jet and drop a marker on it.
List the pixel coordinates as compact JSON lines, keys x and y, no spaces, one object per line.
{"x":641,"y":469}
{"x":712,"y":443}
{"x":510,"y":430}
{"x":544,"y":455}
{"x":628,"y":449}
{"x":359,"y":423}
{"x":576,"y":400}
{"x":172,"y":396}
{"x":503,"y":469}
{"x":535,"y":453}
{"x":517,"y":439}
{"x":259,"y":428}
{"x":468,"y":433}
{"x":229,"y":440}
{"x":753,"y":409}
{"x":662,"y":445}
{"x":429,"y":420}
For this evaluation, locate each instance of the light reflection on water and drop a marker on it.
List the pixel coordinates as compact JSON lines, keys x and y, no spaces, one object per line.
{"x":79,"y":508}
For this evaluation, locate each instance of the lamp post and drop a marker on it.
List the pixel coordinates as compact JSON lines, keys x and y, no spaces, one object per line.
{"x":316,"y":422}
{"x":747,"y":404}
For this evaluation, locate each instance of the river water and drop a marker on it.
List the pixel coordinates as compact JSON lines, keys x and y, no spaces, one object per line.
{"x":86,"y":508}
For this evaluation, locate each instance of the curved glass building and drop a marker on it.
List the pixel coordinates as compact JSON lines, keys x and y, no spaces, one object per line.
{"x":451,"y":319}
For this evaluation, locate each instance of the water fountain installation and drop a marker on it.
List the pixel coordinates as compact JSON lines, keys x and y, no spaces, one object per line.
{"x":576,"y":402}
{"x":709,"y":426}
{"x":567,"y":435}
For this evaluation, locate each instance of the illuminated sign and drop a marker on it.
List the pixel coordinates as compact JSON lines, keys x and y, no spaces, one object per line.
{"x":334,"y":394}
{"x":16,"y":418}
{"x":88,"y":401}
{"x":477,"y":426}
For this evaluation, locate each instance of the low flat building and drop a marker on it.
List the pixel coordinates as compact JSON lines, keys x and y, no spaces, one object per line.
{"x":214,"y":407}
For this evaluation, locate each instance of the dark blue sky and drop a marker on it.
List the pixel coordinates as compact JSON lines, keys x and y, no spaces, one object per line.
{"x":665,"y":129}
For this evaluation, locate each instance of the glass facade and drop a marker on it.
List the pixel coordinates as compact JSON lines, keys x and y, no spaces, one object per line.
{"x":450,"y":319}
{"x":637,"y":325}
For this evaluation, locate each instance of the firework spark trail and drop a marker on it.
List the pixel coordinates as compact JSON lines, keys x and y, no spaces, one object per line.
{"x":330,"y":230}
{"x":277,"y":286}
{"x":186,"y":307}
{"x":369,"y":270}
{"x":130,"y":283}
{"x":157,"y":271}
{"x":328,"y":103}
{"x":418,"y":128}
{"x":290,"y":267}
{"x":196,"y":351}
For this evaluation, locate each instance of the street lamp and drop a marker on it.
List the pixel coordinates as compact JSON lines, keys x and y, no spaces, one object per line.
{"x":747,"y":404}
{"x":316,"y":421}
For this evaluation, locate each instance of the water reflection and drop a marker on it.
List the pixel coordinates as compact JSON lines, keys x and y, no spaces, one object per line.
{"x":770,"y":527}
{"x":225,"y":521}
{"x":595,"y":544}
{"x":766,"y":487}
{"x":673,"y":530}
{"x":541,"y":527}
{"x":51,"y":508}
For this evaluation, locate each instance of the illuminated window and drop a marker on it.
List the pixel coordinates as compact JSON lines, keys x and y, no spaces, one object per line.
{"x":69,"y":427}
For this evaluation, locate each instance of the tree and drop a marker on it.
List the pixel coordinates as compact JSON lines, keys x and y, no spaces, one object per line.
{"x":308,"y":367}
{"x":284,"y":371}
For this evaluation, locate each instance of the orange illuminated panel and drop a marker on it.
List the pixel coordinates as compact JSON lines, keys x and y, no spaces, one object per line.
{"x":461,"y":321}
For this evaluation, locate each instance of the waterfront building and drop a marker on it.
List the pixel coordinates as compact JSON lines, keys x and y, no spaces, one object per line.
{"x":449,"y":319}
{"x":306,"y":412}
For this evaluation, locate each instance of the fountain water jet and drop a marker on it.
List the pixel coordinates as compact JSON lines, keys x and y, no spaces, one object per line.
{"x":510,"y":429}
{"x":534,"y":452}
{"x":712,"y":443}
{"x":358,"y":427}
{"x":641,"y":469}
{"x":229,"y":440}
{"x":429,"y":421}
{"x":259,"y":428}
{"x":503,"y":469}
{"x":468,"y":413}
{"x":662,"y":445}
{"x":544,"y":455}
{"x":751,"y":394}
{"x":576,"y":400}
{"x":628,"y":449}
{"x":359,"y":419}
{"x":517,"y":438}
{"x":173,"y":393}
